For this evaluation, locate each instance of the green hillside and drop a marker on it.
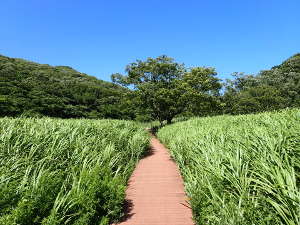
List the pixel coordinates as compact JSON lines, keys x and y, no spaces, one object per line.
{"x":58,"y":91}
{"x":155,"y":89}
{"x":276,"y":88}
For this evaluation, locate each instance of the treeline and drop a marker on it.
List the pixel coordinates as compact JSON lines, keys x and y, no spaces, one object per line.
{"x":272,"y":89}
{"x":157,"y":88}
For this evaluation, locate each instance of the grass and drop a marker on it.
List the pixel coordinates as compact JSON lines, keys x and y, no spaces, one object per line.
{"x":56,"y":171}
{"x":240,"y":169}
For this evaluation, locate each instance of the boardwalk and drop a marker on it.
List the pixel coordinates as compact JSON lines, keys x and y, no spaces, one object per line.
{"x":155,"y":194}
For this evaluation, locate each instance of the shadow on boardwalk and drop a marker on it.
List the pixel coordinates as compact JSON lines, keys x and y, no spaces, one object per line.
{"x":155,"y":193}
{"x":127,"y":207}
{"x":128,"y":204}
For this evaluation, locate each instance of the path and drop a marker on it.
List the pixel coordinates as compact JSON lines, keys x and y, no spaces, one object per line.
{"x":155,"y":193}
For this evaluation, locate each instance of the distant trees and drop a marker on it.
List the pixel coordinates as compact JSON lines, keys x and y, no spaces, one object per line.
{"x":165,"y":88}
{"x":272,"y":89}
{"x":154,"y":89}
{"x":33,"y":89}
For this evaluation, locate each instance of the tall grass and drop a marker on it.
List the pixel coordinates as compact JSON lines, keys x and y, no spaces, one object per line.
{"x":240,"y":169}
{"x":66,"y":171}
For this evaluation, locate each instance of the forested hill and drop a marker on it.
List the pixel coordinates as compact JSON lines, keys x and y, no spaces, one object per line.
{"x":272,"y":89}
{"x":290,"y":65}
{"x":32,"y":89}
{"x":286,"y":79}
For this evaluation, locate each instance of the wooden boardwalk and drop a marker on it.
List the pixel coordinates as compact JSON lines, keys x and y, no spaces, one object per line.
{"x":155,"y":193}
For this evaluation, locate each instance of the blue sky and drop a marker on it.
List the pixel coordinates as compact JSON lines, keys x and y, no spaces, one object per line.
{"x":101,"y":37}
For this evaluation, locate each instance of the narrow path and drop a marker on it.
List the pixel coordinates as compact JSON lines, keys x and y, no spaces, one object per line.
{"x":155,"y":193}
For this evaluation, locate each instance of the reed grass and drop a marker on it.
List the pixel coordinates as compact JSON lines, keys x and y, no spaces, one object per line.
{"x":240,"y":169}
{"x":55,"y":171}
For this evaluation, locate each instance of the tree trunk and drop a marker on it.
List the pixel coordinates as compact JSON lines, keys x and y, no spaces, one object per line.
{"x":161,"y":123}
{"x":169,"y":120}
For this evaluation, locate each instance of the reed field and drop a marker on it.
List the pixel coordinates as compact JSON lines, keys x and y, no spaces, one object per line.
{"x":55,"y":171}
{"x":240,"y":170}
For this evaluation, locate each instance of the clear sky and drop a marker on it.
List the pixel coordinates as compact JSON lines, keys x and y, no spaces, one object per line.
{"x":101,"y":37}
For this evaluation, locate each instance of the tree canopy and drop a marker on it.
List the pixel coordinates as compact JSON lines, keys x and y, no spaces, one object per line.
{"x":272,"y":89}
{"x":166,"y":88}
{"x":28,"y":88}
{"x":153,"y":89}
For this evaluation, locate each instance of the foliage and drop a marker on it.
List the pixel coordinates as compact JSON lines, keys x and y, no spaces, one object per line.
{"x":286,"y":79}
{"x":155,"y":89}
{"x":240,"y":169}
{"x":272,"y":89}
{"x":165,"y":88}
{"x":56,"y":171}
{"x":57,"y":91}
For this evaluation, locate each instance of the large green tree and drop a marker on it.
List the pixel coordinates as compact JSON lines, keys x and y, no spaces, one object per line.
{"x":165,"y":88}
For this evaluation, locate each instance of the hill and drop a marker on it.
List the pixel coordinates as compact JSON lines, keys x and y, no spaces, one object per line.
{"x":286,"y":79}
{"x":31,"y":88}
{"x":292,"y":64}
{"x":273,"y":89}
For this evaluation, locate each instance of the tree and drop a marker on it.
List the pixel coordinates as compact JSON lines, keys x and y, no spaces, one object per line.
{"x":272,"y":89}
{"x":202,"y":88}
{"x":286,"y":79}
{"x":166,"y":88}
